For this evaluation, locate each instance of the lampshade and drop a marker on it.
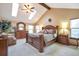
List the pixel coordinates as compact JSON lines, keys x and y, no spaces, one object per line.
{"x":64,"y":28}
{"x":64,"y":25}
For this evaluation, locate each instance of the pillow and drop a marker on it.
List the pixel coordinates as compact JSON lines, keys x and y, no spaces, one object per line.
{"x":43,"y":31}
{"x":50,"y":31}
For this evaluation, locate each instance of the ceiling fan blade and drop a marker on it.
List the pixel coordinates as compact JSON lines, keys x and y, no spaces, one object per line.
{"x":32,"y":7}
{"x":23,"y":9}
{"x":31,"y":10}
{"x":28,"y":5}
{"x":25,"y":6}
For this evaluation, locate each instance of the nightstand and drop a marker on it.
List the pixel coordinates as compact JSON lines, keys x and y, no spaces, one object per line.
{"x":63,"y":39}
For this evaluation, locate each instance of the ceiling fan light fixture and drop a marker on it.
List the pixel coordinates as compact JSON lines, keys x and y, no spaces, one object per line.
{"x":28,"y":8}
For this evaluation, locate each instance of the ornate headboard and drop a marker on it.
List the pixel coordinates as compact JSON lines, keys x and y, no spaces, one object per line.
{"x":48,"y":27}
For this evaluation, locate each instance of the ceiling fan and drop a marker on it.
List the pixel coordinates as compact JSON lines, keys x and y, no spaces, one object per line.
{"x":29,"y":8}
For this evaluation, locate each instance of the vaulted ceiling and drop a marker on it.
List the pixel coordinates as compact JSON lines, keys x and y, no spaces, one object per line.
{"x":6,"y":11}
{"x":63,"y":5}
{"x":41,"y":8}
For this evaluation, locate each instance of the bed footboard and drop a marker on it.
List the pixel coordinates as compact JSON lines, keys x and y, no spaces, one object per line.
{"x":42,"y":43}
{"x":26,"y":36}
{"x":37,"y":42}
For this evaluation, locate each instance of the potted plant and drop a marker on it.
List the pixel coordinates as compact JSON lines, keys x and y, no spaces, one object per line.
{"x":4,"y":26}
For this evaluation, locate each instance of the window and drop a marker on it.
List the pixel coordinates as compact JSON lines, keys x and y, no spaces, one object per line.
{"x":74,"y":25}
{"x":38,"y":28}
{"x":30,"y":28}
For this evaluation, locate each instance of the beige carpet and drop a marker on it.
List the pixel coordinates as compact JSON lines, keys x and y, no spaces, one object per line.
{"x":24,"y":49}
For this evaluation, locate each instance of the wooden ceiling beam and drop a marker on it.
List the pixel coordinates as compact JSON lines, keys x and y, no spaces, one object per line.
{"x":44,"y":5}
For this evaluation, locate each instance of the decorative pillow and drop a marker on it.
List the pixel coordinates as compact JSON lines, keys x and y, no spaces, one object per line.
{"x":45,"y":31}
{"x":41,"y":31}
{"x":50,"y":31}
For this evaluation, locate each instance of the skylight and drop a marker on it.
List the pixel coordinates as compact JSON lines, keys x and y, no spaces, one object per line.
{"x":32,"y":14}
{"x":15,"y":7}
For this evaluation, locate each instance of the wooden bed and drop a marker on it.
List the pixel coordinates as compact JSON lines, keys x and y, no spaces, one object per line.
{"x":38,"y":41}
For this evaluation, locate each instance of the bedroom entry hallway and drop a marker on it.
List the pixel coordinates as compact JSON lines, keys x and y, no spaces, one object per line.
{"x":56,"y":49}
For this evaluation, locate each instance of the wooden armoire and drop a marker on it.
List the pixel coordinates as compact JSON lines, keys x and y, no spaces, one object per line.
{"x":20,"y":32}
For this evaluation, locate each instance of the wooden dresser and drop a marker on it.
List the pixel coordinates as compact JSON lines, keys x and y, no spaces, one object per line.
{"x":20,"y":34}
{"x":63,"y":39}
{"x":3,"y":46}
